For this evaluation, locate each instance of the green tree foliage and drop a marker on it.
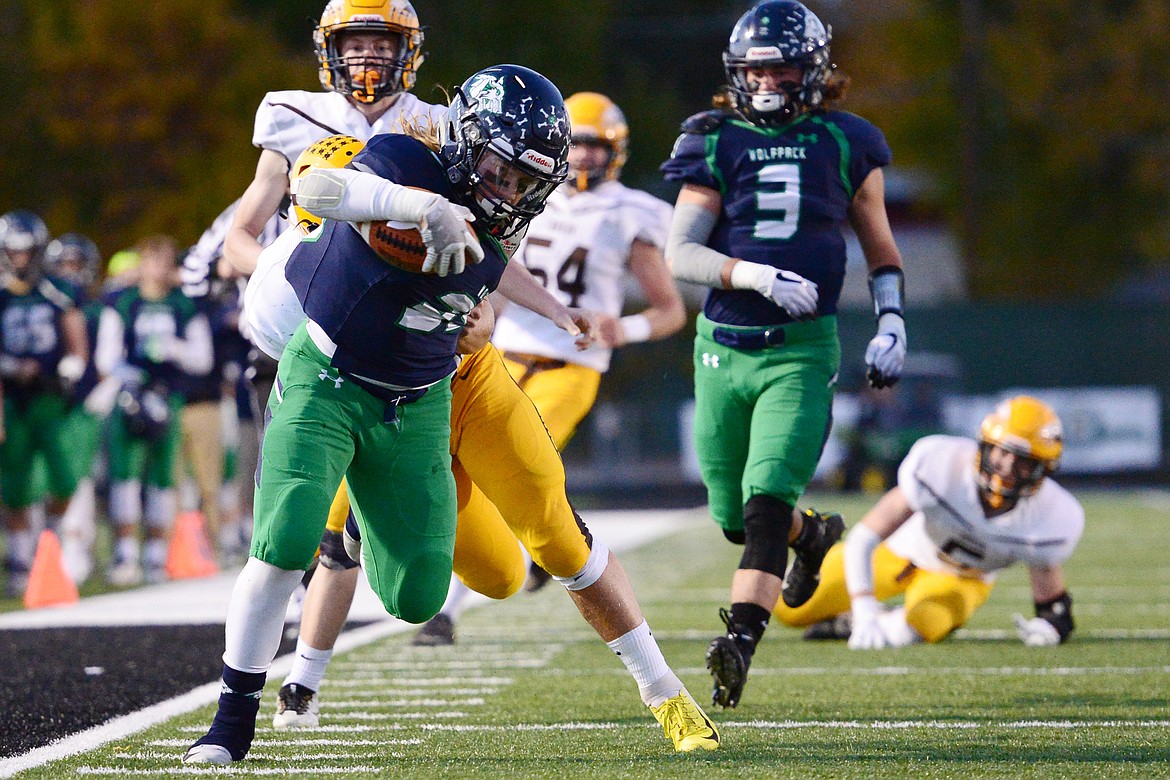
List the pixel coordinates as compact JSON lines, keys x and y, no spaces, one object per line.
{"x":130,"y":119}
{"x":1072,"y":180}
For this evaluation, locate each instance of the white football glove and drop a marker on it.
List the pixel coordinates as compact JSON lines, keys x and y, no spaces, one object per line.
{"x":791,"y":292}
{"x":866,"y":633}
{"x":886,"y":354}
{"x":448,"y":238}
{"x":1036,"y":632}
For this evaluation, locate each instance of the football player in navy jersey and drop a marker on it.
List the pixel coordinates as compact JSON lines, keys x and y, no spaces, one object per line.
{"x":767,"y":179}
{"x":364,"y":387}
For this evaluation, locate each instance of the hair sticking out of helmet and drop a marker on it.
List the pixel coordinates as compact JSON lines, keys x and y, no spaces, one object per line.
{"x":506,"y":146}
{"x":1020,"y":444}
{"x":777,"y":62}
{"x":334,"y":151}
{"x":384,"y":67}
{"x":74,"y":258}
{"x":595,"y":119}
{"x":23,"y":239}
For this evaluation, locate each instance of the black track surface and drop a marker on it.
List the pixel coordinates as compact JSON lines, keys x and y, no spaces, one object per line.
{"x":46,"y":692}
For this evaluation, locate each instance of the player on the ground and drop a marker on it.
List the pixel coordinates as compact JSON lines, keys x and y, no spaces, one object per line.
{"x":594,"y":234}
{"x":148,"y":336}
{"x":499,"y":441}
{"x":43,"y":353}
{"x":768,"y":178}
{"x":363,"y":388}
{"x":962,"y":511}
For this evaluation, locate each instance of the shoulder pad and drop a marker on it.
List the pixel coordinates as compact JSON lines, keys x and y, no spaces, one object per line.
{"x":704,"y":123}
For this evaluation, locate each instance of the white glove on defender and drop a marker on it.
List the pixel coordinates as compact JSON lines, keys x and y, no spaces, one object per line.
{"x":866,"y":633}
{"x":448,"y":238}
{"x":1036,"y":632}
{"x":886,"y":354}
{"x":791,"y":292}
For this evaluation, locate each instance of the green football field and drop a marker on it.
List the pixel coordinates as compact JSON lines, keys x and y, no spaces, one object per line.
{"x":530,"y":692}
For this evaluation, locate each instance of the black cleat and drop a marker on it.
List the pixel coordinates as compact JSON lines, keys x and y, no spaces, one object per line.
{"x":537,"y":578}
{"x":805,"y":575}
{"x":835,"y":628}
{"x":436,"y":632}
{"x":728,"y":671}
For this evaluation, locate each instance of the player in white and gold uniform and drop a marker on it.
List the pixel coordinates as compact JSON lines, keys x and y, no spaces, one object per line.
{"x":962,"y":511}
{"x":594,"y":232}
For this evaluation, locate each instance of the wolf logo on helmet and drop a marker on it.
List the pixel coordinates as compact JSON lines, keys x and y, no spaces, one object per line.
{"x":369,"y":78}
{"x":506,"y":142}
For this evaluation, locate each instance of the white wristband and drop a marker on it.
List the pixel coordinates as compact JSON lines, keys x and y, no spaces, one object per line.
{"x":636,"y":328}
{"x":858,"y":554}
{"x":753,"y":276}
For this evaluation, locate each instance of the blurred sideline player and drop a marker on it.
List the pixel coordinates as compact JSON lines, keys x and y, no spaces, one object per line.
{"x":76,"y":259}
{"x":148,"y":336}
{"x":593,"y":231}
{"x":962,"y":511}
{"x":43,"y":353}
{"x":499,"y":441}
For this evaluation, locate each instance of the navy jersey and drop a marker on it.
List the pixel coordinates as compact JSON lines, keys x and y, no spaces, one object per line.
{"x":91,"y":308}
{"x":30,"y":327}
{"x":391,"y":326}
{"x":786,"y":192}
{"x":147,"y":324}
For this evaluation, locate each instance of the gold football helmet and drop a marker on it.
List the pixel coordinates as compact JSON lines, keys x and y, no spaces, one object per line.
{"x":334,"y":151}
{"x":1029,"y":429}
{"x":369,"y":78}
{"x":594,"y":118}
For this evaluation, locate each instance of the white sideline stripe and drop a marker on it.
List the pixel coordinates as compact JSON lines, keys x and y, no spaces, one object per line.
{"x":365,"y":704}
{"x":378,"y":696}
{"x":230,"y":771}
{"x":296,"y":742}
{"x":614,"y":528}
{"x":125,"y":725}
{"x":290,"y":733}
{"x":260,"y":755}
{"x":393,"y":682}
{"x":444,"y":666}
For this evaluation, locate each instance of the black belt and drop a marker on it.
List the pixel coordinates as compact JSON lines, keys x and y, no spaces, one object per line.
{"x":749,"y":339}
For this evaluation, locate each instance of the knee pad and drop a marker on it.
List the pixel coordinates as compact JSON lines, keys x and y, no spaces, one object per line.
{"x":735,"y":537}
{"x":333,"y":555}
{"x":766,"y":523}
{"x":592,"y":570}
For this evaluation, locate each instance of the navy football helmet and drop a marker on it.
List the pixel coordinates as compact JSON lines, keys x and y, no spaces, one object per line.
{"x":145,"y":410}
{"x":773,"y":33}
{"x":74,"y":258}
{"x":506,"y":144}
{"x":23,"y":233}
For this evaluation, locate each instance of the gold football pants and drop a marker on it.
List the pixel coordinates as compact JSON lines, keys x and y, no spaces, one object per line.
{"x":563,"y":392}
{"x":936,"y":603}
{"x":510,"y":483}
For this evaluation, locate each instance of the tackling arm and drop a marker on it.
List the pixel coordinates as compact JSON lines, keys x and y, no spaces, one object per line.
{"x":666,"y":314}
{"x":890,"y":512}
{"x":257,"y":205}
{"x":519,"y":286}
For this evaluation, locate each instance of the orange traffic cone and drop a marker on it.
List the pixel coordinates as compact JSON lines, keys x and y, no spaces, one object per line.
{"x":190,"y":553}
{"x":48,"y":582}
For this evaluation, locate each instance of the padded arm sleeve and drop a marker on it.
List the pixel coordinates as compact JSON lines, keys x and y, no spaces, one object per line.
{"x":690,"y":259}
{"x":356,"y":196}
{"x":859,"y":546}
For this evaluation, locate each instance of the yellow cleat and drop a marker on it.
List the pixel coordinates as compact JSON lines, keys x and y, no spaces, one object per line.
{"x":685,"y":723}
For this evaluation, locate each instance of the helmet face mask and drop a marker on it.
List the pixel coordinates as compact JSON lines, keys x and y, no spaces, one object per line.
{"x":383,"y":61}
{"x":773,"y":35}
{"x":597,"y":122}
{"x":506,"y":144}
{"x":23,"y":240}
{"x":1020,"y":444}
{"x":74,"y":258}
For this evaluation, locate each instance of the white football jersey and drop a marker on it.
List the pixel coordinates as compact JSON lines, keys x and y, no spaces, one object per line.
{"x":949,"y":531}
{"x":579,"y":247}
{"x":291,"y":121}
{"x":272,"y":310}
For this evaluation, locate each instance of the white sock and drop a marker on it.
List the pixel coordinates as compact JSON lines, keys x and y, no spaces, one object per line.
{"x":897,"y":630}
{"x":21,"y":546}
{"x":79,"y":520}
{"x":456,"y":601}
{"x":126,"y":549}
{"x":642,"y":657}
{"x":155,"y":553}
{"x":308,"y":666}
{"x":255,"y":620}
